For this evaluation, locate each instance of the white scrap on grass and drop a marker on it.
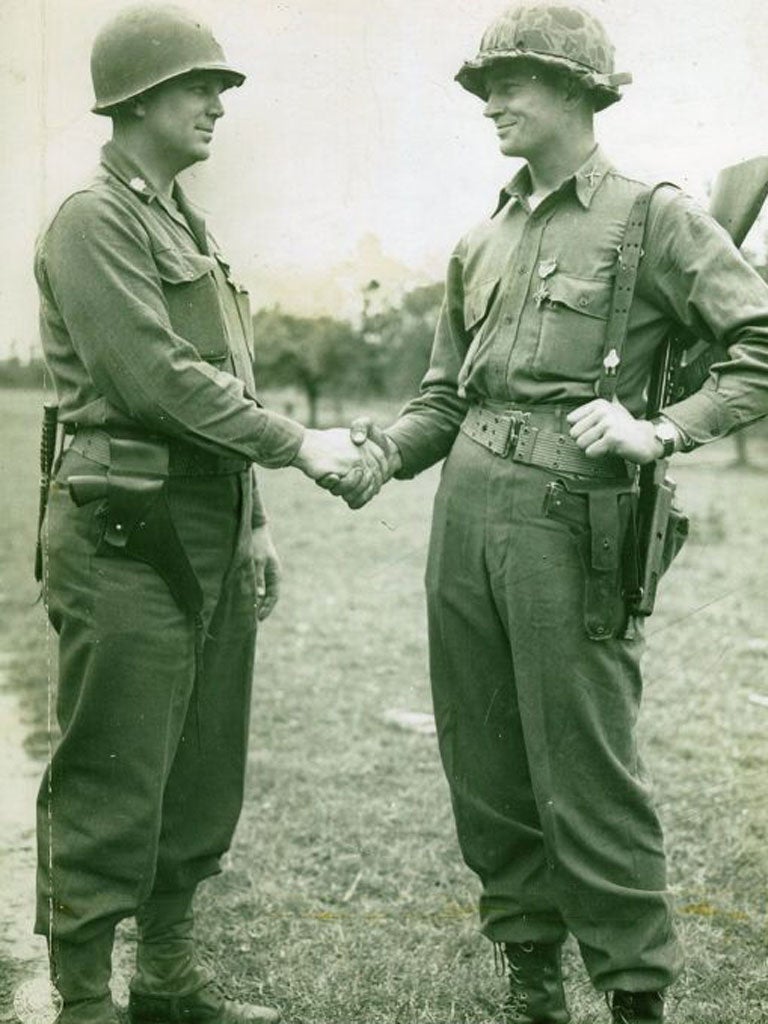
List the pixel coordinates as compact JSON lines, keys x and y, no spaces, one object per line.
{"x":353,"y":887}
{"x":760,"y":699}
{"x":413,"y":721}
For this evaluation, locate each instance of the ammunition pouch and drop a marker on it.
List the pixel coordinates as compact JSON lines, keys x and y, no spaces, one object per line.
{"x":137,"y":521}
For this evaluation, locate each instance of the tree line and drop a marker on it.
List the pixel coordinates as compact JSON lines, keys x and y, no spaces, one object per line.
{"x":385,"y":355}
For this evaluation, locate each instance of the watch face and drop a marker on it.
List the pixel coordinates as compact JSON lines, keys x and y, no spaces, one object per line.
{"x":667,"y":434}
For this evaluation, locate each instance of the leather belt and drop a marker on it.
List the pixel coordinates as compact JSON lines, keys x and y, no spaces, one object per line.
{"x":512,"y":433}
{"x":183,"y":459}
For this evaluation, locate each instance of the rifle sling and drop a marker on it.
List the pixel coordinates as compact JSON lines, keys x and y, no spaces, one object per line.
{"x":630,"y":254}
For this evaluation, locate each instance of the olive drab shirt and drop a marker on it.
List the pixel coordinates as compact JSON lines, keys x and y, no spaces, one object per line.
{"x":528,"y":297}
{"x":144,"y":326}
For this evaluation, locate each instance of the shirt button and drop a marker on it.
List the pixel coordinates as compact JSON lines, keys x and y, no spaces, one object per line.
{"x":522,"y":271}
{"x":507,"y":319}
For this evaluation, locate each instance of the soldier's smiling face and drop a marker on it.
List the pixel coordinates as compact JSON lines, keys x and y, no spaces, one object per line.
{"x":525,"y":101}
{"x":179,"y":116}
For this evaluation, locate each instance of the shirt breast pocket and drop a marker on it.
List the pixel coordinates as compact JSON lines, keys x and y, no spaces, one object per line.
{"x":193,"y":303}
{"x":477,"y":303}
{"x":241,"y":299}
{"x":478,"y":299}
{"x":573,"y":322}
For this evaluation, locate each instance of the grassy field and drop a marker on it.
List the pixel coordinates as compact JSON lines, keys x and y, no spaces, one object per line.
{"x":344,"y":899}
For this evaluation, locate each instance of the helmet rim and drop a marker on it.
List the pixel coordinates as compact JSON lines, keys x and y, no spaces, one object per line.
{"x":604,"y":88}
{"x":234,"y":80}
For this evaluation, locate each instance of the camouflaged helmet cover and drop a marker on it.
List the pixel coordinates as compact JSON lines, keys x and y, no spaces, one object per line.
{"x":562,"y":36}
{"x":147,"y":44}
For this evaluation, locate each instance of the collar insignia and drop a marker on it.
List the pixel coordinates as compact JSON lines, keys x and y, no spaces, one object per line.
{"x":592,"y":177}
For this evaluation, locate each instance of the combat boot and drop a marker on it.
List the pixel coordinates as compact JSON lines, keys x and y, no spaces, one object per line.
{"x":80,"y":973}
{"x":536,"y":994}
{"x":637,"y":1007}
{"x":170,"y":986}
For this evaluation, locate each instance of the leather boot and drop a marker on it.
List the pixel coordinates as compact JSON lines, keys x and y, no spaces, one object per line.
{"x":169,"y":986}
{"x":637,"y":1007}
{"x":80,"y":973}
{"x":536,"y":994}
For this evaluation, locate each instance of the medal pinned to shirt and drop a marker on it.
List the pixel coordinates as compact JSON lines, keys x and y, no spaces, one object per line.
{"x":545,"y":270}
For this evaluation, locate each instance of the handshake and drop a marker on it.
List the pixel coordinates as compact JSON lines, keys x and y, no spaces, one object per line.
{"x":353,"y":464}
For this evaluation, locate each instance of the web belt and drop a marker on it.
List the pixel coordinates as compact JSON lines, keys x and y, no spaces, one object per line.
{"x":512,"y":434}
{"x":183,"y":459}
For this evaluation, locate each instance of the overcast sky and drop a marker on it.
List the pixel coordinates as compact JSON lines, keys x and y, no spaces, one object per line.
{"x":350,"y":123}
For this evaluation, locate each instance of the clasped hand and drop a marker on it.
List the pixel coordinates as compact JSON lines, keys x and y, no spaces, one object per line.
{"x":353,"y":464}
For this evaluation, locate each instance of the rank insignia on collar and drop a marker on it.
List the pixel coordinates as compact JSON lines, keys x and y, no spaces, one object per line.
{"x":547,"y":268}
{"x":137,"y":184}
{"x":592,"y":177}
{"x":541,"y":294}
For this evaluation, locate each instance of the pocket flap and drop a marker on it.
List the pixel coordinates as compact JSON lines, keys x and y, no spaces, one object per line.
{"x":477,"y":301}
{"x":177,"y":267}
{"x":585,"y":295}
{"x":227,"y":271}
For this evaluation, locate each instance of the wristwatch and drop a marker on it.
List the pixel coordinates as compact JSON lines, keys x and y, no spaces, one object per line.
{"x":666,"y":432}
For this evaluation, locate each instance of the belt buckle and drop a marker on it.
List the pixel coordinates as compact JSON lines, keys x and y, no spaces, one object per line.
{"x":505,"y":433}
{"x":518,"y":427}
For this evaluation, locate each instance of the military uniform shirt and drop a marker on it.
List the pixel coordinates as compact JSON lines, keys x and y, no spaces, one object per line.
{"x":144,"y":326}
{"x":528,"y":297}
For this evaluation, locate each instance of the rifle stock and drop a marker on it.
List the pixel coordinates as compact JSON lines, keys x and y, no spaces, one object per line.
{"x":738,"y":196}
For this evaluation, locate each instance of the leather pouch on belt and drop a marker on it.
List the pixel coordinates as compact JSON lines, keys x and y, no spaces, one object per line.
{"x":608,"y":509}
{"x":138,"y":522}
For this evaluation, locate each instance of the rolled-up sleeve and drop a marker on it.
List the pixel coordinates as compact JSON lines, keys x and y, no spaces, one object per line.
{"x":96,"y":266}
{"x":702,"y":280}
{"x":427,"y":426}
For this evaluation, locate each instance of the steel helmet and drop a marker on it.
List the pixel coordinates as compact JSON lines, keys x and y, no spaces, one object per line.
{"x":148,"y":44}
{"x":563,"y":36}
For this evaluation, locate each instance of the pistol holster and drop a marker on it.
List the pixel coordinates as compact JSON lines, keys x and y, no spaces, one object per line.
{"x":138,"y":521}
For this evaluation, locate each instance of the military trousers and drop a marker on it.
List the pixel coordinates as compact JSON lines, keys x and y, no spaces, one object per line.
{"x":536,"y":728}
{"x":145,"y":787}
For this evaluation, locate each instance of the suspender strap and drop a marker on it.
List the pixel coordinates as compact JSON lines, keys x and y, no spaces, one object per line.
{"x":630,"y":253}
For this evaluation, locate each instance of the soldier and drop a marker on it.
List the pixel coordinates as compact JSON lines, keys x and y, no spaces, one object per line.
{"x":535,"y":661}
{"x":158,"y":559}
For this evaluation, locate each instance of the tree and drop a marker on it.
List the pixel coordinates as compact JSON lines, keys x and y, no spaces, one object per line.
{"x":322,"y":356}
{"x":401,"y":336}
{"x":318,"y":355}
{"x":16,"y":374}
